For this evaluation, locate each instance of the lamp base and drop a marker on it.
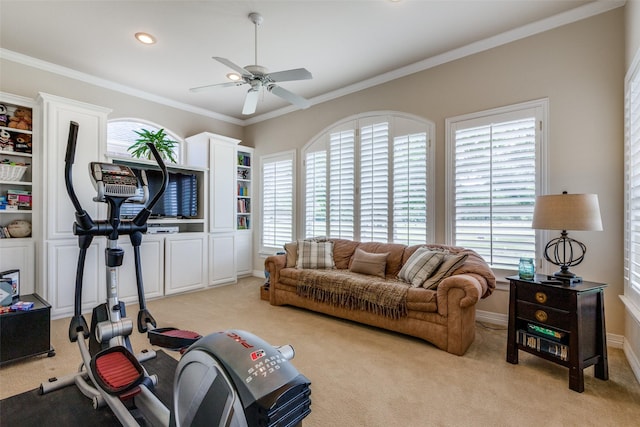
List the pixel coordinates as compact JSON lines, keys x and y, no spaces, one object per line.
{"x":570,"y":279}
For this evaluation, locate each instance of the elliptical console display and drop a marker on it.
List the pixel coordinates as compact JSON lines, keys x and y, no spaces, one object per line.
{"x":230,"y":378}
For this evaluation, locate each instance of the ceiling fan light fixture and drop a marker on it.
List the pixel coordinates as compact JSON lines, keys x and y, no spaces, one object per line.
{"x":234,"y":77}
{"x":145,"y":38}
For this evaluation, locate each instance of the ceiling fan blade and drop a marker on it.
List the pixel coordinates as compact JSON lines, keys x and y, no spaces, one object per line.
{"x":238,"y":69}
{"x":289,"y":75}
{"x":207,"y":87}
{"x":251,"y":102}
{"x":296,"y":100}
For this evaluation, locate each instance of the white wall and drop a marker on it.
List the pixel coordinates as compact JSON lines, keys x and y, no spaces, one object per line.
{"x":579,"y":67}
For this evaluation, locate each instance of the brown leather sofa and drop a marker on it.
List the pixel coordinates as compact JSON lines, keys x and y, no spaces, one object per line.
{"x":443,"y":315}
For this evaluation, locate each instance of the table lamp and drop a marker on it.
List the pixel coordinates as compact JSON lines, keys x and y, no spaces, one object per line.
{"x":579,"y":212}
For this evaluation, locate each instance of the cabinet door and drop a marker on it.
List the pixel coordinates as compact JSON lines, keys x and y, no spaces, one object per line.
{"x":244,"y":253}
{"x":222,"y":258}
{"x":62,"y":259}
{"x":223,"y":201}
{"x":152,"y":262}
{"x":186,"y":262}
{"x":19,"y":254}
{"x":91,"y":143}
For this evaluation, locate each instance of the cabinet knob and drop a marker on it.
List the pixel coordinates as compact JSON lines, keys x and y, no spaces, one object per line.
{"x":541,"y":297}
{"x":541,"y":316}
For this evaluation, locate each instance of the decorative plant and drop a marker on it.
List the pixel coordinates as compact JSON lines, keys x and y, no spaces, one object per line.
{"x":164,"y":145}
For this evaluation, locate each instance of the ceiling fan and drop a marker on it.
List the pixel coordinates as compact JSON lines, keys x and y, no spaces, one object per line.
{"x":258,"y":77}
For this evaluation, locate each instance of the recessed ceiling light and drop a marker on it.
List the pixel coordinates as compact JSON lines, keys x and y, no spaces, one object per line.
{"x":145,"y":38}
{"x":234,"y":76}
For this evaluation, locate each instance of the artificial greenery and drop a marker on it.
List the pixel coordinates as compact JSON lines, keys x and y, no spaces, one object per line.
{"x":164,"y":145}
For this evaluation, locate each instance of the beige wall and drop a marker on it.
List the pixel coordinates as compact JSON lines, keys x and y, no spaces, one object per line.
{"x":26,"y":81}
{"x":579,"y":67}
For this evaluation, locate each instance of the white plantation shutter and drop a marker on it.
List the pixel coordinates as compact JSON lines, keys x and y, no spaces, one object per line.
{"x":632,"y":186}
{"x":374,"y":182}
{"x":410,"y":181}
{"x":316,"y":194}
{"x":277,"y":200}
{"x":495,"y":172}
{"x":342,"y":184}
{"x":351,"y":175}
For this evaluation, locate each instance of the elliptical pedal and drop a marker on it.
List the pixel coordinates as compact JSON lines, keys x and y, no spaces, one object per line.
{"x":118,"y":371}
{"x":172,"y":338}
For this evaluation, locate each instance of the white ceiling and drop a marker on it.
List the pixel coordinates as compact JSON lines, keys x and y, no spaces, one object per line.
{"x":346,"y":45}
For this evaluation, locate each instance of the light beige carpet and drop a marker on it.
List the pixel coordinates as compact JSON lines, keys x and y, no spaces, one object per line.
{"x":362,"y":376}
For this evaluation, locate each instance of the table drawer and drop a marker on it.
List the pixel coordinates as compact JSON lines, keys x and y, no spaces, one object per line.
{"x":544,"y":295}
{"x":544,"y":315}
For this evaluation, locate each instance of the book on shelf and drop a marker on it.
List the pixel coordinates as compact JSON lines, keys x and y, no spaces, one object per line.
{"x":545,"y":332}
{"x":543,"y":345}
{"x":243,"y":223}
{"x":243,"y":206}
{"x":244,"y":160}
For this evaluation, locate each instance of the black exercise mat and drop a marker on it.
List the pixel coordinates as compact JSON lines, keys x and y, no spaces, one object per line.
{"x":69,"y":407}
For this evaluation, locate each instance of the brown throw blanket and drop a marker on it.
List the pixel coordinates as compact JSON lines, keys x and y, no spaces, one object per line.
{"x":353,"y":291}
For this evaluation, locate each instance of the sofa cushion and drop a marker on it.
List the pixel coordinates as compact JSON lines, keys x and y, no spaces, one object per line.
{"x":450,"y":263}
{"x":368,"y":263}
{"x":420,"y":266}
{"x":313,"y":254}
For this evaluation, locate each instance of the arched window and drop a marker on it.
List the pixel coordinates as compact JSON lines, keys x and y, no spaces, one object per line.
{"x":370,"y":178}
{"x":121,"y":135}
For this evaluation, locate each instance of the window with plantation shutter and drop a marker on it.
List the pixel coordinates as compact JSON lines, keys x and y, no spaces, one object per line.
{"x":631,"y":296}
{"x":316,"y":196}
{"x":277,"y":199}
{"x":367,"y":179}
{"x":495,"y":172}
{"x":374,"y":182}
{"x":410,"y":189}
{"x":342,"y":184}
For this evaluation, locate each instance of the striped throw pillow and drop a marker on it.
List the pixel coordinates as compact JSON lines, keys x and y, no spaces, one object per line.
{"x":313,"y":254}
{"x":449,"y":264}
{"x":420,"y":265}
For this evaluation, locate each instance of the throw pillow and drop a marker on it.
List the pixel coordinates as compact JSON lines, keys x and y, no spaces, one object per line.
{"x":291,"y":249}
{"x":312,"y":254}
{"x":368,"y":263}
{"x":450,"y":264}
{"x":420,"y":265}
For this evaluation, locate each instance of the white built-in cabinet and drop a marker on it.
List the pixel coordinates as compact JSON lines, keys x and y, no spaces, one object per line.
{"x":230,"y":247}
{"x":186,"y":262}
{"x":60,"y":246}
{"x":152,"y":262}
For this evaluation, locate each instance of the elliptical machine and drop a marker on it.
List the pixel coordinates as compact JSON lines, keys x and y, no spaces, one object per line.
{"x":229,"y":378}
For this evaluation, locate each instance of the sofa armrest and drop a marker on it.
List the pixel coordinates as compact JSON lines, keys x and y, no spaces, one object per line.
{"x":273,"y":264}
{"x":465,"y":290}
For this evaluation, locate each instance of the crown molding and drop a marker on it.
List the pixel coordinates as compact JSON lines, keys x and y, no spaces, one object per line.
{"x":583,"y":12}
{"x":108,"y":84}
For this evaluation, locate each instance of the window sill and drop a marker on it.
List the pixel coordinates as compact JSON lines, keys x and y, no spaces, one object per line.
{"x":632,"y":308}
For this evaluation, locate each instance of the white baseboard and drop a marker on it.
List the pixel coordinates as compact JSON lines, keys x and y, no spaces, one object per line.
{"x":633,"y":359}
{"x":493,"y":318}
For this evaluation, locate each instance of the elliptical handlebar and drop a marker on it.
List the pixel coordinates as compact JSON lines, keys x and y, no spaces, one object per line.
{"x":142,"y":216}
{"x":82,"y":217}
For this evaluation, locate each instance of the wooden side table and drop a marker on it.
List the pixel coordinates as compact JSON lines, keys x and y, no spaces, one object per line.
{"x":561,"y":323}
{"x":26,"y":333}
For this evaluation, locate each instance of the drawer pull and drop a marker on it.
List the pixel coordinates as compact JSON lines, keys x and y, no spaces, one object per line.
{"x":541,"y":316}
{"x":541,"y":297}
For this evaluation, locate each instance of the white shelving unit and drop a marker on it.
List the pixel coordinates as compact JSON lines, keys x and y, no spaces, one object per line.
{"x":244,"y":209}
{"x":19,"y":146}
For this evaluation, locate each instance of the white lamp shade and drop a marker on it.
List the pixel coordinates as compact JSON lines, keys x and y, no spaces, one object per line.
{"x":567,"y":212}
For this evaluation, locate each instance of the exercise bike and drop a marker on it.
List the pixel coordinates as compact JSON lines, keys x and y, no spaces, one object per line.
{"x":229,"y":378}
